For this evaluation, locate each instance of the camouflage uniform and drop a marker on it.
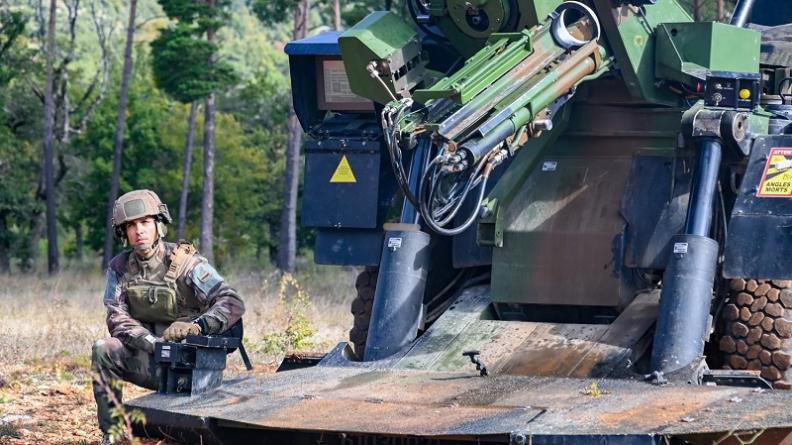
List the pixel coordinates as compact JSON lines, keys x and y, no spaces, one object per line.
{"x":198,"y":293}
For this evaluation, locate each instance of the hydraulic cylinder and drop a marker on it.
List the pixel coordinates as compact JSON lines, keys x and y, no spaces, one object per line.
{"x":683,"y":323}
{"x":398,"y":300}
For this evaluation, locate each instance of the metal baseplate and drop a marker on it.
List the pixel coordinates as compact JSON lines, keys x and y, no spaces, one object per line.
{"x":432,"y":394}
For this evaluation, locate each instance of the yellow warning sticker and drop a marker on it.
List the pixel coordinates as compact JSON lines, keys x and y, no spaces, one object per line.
{"x":777,"y":176}
{"x":343,"y":173}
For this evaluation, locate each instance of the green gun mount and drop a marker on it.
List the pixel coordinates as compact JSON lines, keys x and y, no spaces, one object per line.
{"x":382,"y":57}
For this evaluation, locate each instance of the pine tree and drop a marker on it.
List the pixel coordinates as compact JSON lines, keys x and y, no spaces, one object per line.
{"x":186,"y":67}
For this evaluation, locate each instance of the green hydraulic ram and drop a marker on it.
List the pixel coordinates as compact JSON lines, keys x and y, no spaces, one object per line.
{"x":556,"y":56}
{"x":522,"y":111}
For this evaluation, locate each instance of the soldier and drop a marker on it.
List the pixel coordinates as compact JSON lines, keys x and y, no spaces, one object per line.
{"x":159,"y":290}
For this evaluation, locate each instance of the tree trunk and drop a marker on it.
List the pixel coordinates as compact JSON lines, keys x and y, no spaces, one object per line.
{"x":721,"y":10}
{"x":118,"y":147}
{"x":287,"y":246}
{"x":272,"y":251}
{"x":48,"y":142}
{"x":337,"y":11}
{"x":389,"y":3}
{"x":186,"y":168}
{"x":30,"y":263}
{"x":696,"y":10}
{"x":207,"y":201}
{"x":78,"y":242}
{"x":5,"y":244}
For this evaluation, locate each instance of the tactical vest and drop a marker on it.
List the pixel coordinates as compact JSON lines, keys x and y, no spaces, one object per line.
{"x":155,"y":289}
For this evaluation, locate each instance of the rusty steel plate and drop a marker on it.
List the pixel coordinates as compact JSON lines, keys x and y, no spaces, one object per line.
{"x":435,"y":404}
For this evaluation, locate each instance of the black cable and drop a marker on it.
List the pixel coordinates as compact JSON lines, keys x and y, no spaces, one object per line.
{"x":471,"y":183}
{"x":451,"y":199}
{"x":394,"y":152}
{"x":430,"y":221}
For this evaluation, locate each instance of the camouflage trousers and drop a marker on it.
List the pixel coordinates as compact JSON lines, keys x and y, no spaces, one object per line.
{"x":114,"y":362}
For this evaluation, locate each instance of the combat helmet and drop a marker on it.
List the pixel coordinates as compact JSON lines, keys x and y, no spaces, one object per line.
{"x":137,"y":204}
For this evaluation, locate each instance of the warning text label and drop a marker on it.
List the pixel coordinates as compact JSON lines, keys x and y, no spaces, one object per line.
{"x":777,"y":177}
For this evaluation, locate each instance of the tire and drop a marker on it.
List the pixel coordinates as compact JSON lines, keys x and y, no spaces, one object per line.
{"x":758,"y":329}
{"x":365,"y":284}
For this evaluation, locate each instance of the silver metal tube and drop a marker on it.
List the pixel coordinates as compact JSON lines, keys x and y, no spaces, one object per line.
{"x":742,"y":12}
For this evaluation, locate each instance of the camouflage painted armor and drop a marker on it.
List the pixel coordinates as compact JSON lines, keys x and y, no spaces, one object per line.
{"x":141,"y":303}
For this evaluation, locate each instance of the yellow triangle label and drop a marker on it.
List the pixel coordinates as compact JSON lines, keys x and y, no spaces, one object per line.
{"x":343,"y":173}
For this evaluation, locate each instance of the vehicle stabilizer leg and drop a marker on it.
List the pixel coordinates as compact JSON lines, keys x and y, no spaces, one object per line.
{"x":398,"y":300}
{"x":683,"y":323}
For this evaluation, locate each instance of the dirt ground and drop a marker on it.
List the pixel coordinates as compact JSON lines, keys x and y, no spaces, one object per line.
{"x":47,"y":326}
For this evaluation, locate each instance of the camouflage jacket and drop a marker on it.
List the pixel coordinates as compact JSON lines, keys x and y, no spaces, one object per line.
{"x":200,"y":292}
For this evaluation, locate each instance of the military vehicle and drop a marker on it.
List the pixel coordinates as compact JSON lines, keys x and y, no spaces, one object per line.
{"x":574,"y":218}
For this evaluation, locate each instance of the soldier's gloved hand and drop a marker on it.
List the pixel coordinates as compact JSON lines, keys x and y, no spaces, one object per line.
{"x":179,"y":330}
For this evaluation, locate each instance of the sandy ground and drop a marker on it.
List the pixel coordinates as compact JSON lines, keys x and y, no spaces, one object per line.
{"x":47,"y":326}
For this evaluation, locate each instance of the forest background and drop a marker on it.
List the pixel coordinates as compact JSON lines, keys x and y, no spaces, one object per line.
{"x":252,"y":205}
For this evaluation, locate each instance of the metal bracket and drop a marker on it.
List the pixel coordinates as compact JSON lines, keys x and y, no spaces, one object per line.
{"x":474,"y":358}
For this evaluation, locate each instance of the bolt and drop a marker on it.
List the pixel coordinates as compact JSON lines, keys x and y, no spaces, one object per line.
{"x":519,"y":439}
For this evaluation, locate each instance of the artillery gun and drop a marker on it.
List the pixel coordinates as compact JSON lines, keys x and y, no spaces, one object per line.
{"x":573,"y":217}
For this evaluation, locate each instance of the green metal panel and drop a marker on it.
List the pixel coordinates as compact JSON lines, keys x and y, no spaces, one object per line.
{"x":501,"y":53}
{"x":546,"y":224}
{"x":687,"y":51}
{"x":378,"y":37}
{"x":630,"y":33}
{"x":491,"y":227}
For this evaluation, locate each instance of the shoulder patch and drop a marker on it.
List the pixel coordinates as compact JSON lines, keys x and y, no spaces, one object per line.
{"x":113,"y":290}
{"x":205,"y":277}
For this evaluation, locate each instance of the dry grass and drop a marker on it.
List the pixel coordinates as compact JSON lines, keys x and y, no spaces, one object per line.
{"x":44,"y":317}
{"x":48,"y":324}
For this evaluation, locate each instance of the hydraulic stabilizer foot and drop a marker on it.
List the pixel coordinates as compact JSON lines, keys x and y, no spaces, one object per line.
{"x":683,"y":323}
{"x":398,"y":301}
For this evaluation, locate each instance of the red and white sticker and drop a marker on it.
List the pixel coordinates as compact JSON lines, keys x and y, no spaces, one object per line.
{"x":777,"y":177}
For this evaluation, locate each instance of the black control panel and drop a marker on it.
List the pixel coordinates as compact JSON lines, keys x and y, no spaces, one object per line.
{"x":732,"y":90}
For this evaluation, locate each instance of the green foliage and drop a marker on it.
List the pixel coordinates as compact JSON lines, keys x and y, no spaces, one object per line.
{"x":203,"y":15}
{"x":297,"y":333}
{"x":182,"y":68}
{"x":250,"y":74}
{"x":19,"y":159}
{"x":119,"y":430}
{"x":185,"y":64}
{"x":247,"y":167}
{"x":12,"y":25}
{"x":271,"y":12}
{"x":357,"y":10}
